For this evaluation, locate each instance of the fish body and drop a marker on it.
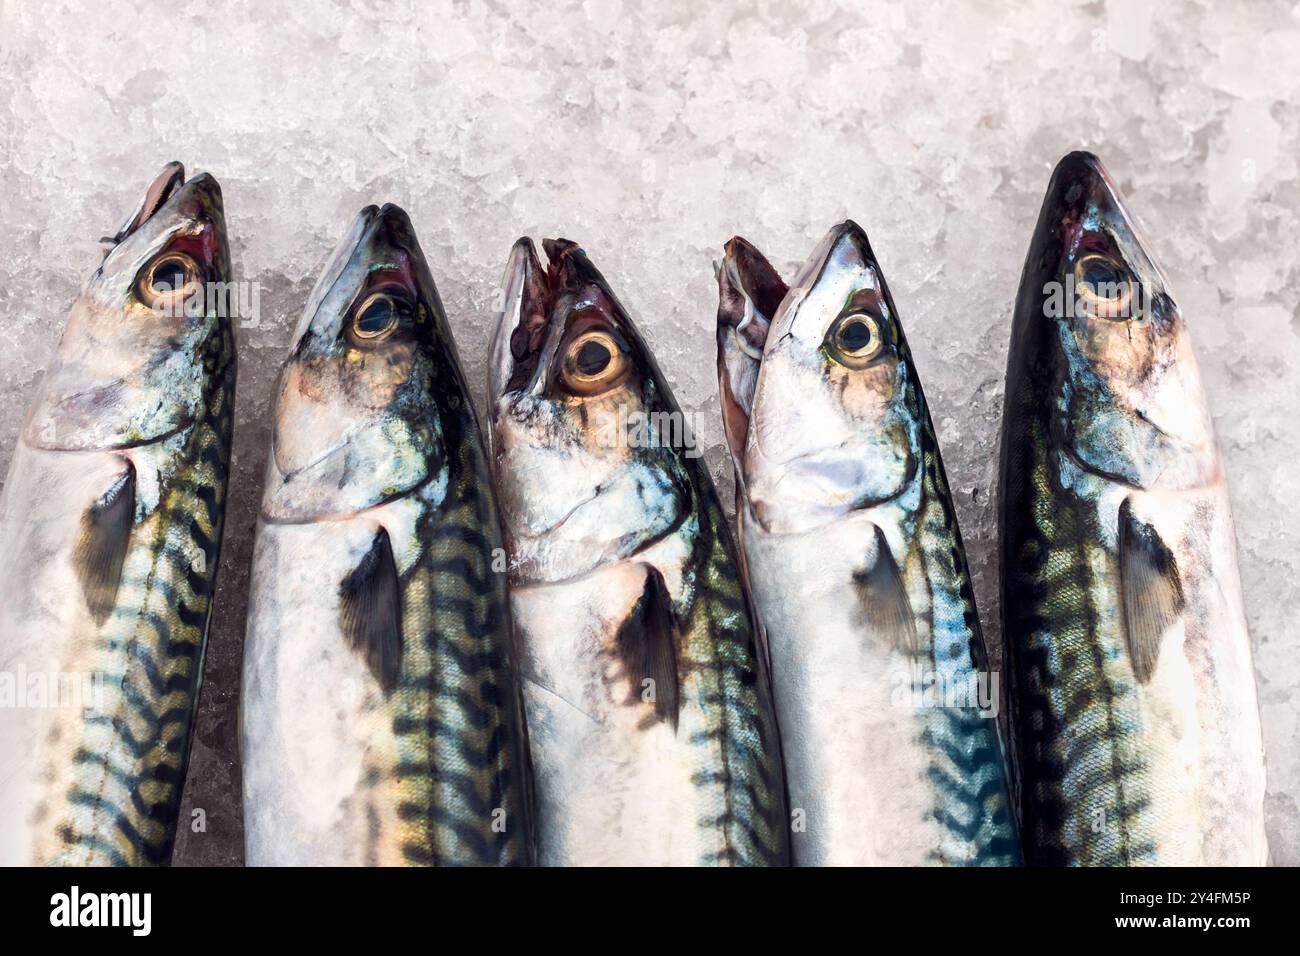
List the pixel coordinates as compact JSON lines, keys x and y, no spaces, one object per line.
{"x":379,"y":722}
{"x":110,"y":528}
{"x":855,"y":561}
{"x":1134,"y":718}
{"x":650,"y":725}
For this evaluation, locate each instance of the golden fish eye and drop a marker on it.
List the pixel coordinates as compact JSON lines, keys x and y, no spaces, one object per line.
{"x":592,"y":362}
{"x":376,"y":317}
{"x":855,"y":339}
{"x":169,"y":280}
{"x":1103,"y":284}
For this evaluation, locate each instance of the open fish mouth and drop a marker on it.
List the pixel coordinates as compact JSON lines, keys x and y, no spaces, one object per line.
{"x":568,"y":371}
{"x":521,"y":335}
{"x":542,"y":305}
{"x":750,"y":292}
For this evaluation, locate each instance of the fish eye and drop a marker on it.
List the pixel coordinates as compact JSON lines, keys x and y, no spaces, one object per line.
{"x":593,"y":358}
{"x":1104,"y":285}
{"x":855,"y":340}
{"x":168,"y":280}
{"x":592,"y":362}
{"x":376,"y":317}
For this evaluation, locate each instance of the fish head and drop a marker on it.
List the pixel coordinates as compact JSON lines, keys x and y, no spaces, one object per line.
{"x":750,"y":291}
{"x":129,"y":369}
{"x":1096,"y":313}
{"x":361,"y":400}
{"x":834,"y":423}
{"x":583,"y":475}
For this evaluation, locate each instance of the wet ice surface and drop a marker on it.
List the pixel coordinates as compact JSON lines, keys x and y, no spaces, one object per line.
{"x":651,"y":133}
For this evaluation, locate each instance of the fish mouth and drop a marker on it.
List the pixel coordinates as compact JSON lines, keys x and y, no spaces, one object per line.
{"x":521,"y":333}
{"x":841,"y":238}
{"x":844,"y":246}
{"x":187,"y":214}
{"x":537,"y":303}
{"x":164,"y":185}
{"x":750,"y":291}
{"x":1079,"y":182}
{"x":337,"y":262}
{"x":1082,"y":195}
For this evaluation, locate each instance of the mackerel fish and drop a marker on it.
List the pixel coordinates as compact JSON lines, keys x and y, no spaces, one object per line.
{"x":1135,"y":726}
{"x":380,"y":722}
{"x":649,"y":717}
{"x":852,"y":551}
{"x":110,"y":529}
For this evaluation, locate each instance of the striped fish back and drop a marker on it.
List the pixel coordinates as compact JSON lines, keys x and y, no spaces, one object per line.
{"x":461,"y":774}
{"x":1084,"y":794}
{"x":129,"y":755}
{"x":743,"y":789}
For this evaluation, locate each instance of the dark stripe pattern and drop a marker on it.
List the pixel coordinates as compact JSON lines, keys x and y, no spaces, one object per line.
{"x":742,"y":791}
{"x":457,"y":795}
{"x":128,"y":766}
{"x":967,"y":770}
{"x":1076,"y":713}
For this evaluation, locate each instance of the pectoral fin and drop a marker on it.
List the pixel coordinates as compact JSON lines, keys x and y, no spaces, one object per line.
{"x":647,"y":645}
{"x":102,"y":542}
{"x":885,"y":608}
{"x":1151,"y":590}
{"x":370,"y":611}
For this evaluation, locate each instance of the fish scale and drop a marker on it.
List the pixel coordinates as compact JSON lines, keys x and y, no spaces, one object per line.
{"x":122,"y":807}
{"x":748,"y":808}
{"x":968,"y":769}
{"x":1092,"y":771}
{"x":457,"y":602}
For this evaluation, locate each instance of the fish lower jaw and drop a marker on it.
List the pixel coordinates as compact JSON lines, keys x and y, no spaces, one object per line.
{"x":782,"y":521}
{"x":32,"y":438}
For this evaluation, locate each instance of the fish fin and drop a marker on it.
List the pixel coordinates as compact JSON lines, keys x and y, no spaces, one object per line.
{"x":102,"y":542}
{"x":647,"y":645}
{"x":883,"y":599}
{"x":370,"y":611}
{"x":1151,"y":591}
